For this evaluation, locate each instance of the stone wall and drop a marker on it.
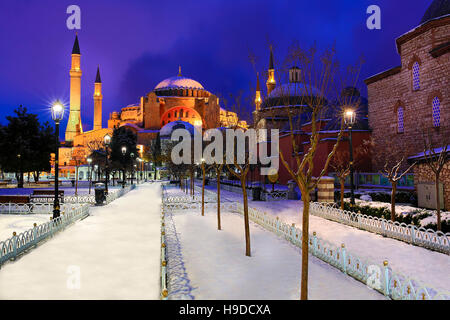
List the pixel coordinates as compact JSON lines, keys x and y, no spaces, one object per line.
{"x":393,"y":88}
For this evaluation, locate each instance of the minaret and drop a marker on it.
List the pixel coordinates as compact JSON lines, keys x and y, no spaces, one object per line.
{"x":74,"y":126}
{"x":258,"y":99}
{"x":98,"y":97}
{"x":270,"y":74}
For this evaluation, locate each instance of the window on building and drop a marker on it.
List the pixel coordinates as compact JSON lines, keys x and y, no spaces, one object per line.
{"x":436,"y":112}
{"x":416,"y":76}
{"x":168,"y":115}
{"x":187,"y":114}
{"x":181,"y":113}
{"x":175,"y":114}
{"x":400,"y":127}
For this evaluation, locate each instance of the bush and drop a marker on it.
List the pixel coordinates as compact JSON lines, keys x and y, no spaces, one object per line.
{"x":385,"y":213}
{"x":400,"y":197}
{"x":445,"y":226}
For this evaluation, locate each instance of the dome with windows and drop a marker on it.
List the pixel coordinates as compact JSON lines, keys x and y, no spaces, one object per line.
{"x":180,"y":86}
{"x":178,"y":82}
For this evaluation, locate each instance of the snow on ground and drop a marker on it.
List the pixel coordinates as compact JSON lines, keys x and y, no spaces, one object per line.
{"x":422,"y":264}
{"x":116,"y":248}
{"x":218,"y":268}
{"x":19,"y":223}
{"x":405,"y":209}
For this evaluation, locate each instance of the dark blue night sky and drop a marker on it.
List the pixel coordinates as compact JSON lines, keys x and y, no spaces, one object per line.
{"x":139,"y":43}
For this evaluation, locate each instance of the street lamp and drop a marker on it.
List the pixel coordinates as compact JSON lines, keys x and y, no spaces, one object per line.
{"x":132,"y":166}
{"x":57,"y":110}
{"x":107,"y":141}
{"x":89,"y":161}
{"x":124,"y":152}
{"x":349,"y":119}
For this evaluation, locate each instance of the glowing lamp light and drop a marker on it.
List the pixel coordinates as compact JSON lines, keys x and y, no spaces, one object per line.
{"x":349,"y":117}
{"x":89,"y":160}
{"x":57,"y":111}
{"x":124,"y":150}
{"x":197,"y":123}
{"x":107,"y":140}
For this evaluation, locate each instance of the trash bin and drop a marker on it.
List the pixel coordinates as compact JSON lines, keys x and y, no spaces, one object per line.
{"x":100,"y":196}
{"x":256,"y":193}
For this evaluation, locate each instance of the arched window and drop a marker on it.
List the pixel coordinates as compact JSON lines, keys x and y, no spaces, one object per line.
{"x":436,"y":112}
{"x":400,"y":127}
{"x":416,"y":76}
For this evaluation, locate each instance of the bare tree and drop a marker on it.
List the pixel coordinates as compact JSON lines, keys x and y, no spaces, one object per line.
{"x":435,"y":160}
{"x":340,"y":163}
{"x":319,"y":79}
{"x":394,"y":165}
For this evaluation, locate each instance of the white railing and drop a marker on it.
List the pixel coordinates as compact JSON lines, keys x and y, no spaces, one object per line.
{"x":379,"y":277}
{"x":17,"y":244}
{"x":427,"y":238}
{"x":112,"y":195}
{"x":163,"y":276}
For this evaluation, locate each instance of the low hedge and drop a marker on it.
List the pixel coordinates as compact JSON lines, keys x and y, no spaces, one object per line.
{"x":400,"y":197}
{"x":385,"y":213}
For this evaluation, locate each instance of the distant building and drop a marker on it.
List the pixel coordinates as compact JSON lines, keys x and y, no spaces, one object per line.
{"x":174,"y":99}
{"x":414,"y":96}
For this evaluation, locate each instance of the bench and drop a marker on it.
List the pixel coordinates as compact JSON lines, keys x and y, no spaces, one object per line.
{"x":14,"y":199}
{"x":46,"y":194}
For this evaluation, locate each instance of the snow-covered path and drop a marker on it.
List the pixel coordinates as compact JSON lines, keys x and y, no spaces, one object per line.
{"x":419,"y":263}
{"x":116,"y":251}
{"x":217,"y":267}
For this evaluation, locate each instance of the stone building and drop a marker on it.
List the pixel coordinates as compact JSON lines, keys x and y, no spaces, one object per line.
{"x":413,"y":97}
{"x":175,"y":98}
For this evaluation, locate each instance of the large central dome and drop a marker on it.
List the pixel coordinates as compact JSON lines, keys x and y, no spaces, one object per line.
{"x":178,"y":82}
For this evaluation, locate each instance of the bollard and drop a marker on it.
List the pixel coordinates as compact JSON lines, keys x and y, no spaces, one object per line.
{"x":293,"y":233}
{"x":344,"y":258}
{"x":314,"y":243}
{"x":386,"y":278}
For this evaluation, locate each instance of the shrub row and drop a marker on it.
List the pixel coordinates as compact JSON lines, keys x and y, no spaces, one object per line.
{"x":400,"y":197}
{"x":413,"y":218}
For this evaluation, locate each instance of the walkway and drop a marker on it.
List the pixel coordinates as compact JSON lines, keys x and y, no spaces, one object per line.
{"x":112,"y":254}
{"x":428,"y":266}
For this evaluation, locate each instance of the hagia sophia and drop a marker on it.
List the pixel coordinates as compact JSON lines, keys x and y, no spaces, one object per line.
{"x":177,"y":98}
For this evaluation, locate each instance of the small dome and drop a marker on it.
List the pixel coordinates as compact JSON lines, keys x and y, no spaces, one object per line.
{"x":166,"y":131}
{"x":438,"y":8}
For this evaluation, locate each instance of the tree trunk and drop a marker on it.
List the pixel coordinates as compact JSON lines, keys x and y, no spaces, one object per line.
{"x":394,"y":191}
{"x":342,"y":181}
{"x":219,"y":227}
{"x":246,"y":222}
{"x":305,"y":246}
{"x":438,"y":203}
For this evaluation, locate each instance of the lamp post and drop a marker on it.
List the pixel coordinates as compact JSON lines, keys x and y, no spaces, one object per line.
{"x":349,"y":119}
{"x":57,"y":115}
{"x":124,"y":152}
{"x":89,"y":161}
{"x":132,"y":166}
{"x":107,"y":141}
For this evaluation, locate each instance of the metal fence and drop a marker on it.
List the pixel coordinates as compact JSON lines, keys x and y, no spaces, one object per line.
{"x":427,"y":238}
{"x":45,"y":205}
{"x":164,"y":291}
{"x":17,"y":244}
{"x":379,"y":277}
